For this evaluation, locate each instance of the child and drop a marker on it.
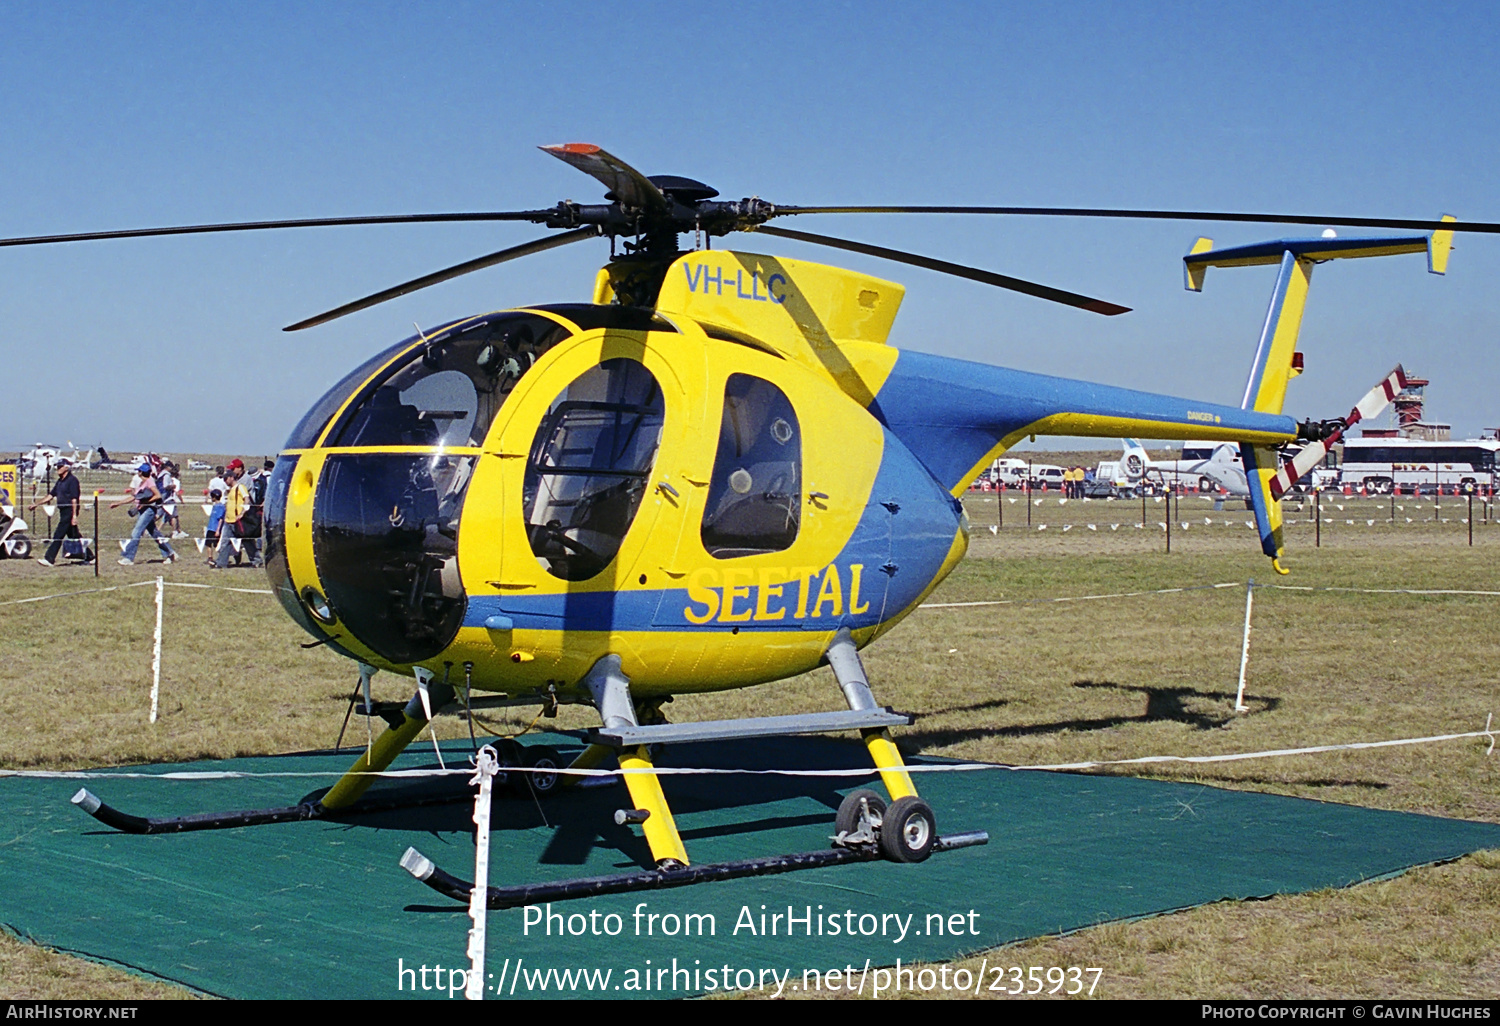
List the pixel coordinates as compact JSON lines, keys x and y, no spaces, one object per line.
{"x":215,"y":524}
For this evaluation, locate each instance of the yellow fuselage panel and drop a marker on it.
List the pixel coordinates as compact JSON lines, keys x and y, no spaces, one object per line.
{"x":682,"y":619}
{"x":833,"y":321}
{"x":663,"y":553}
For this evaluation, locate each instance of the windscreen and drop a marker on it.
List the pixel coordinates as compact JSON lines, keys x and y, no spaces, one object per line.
{"x":447,"y":389}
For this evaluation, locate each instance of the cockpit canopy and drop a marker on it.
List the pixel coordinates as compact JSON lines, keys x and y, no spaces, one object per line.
{"x":444,"y":389}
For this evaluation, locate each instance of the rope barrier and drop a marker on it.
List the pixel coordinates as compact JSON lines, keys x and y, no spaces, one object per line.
{"x":1381,"y":591}
{"x":1079,"y":598}
{"x":66,"y":594}
{"x":929,"y":605}
{"x":956,"y":767}
{"x":137,"y":584}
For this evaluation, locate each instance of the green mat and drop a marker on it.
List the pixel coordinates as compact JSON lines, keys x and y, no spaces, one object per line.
{"x":322,"y":910}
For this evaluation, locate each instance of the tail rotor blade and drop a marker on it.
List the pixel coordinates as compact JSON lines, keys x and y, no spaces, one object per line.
{"x":1375,"y":400}
{"x":477,"y":264}
{"x":1003,"y":281}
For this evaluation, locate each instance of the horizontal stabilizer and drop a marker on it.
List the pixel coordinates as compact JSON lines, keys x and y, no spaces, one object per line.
{"x":1200,"y":258}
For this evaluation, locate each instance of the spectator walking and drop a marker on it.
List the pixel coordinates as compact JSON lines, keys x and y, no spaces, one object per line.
{"x":215,"y":525}
{"x":236,"y":506}
{"x":67,"y":494}
{"x":147,"y":510}
{"x":171,"y":478}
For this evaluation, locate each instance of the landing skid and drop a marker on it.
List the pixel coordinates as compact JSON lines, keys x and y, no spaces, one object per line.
{"x":425,"y":870}
{"x":126,"y":823}
{"x":867,"y":827}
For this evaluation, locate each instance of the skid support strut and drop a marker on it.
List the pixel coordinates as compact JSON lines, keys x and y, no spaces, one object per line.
{"x":357,"y":779}
{"x":589,"y":758}
{"x":340,"y":798}
{"x":610,"y":689}
{"x":850,"y":673}
{"x":904,"y":832}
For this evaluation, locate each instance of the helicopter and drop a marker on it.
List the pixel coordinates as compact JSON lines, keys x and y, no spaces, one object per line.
{"x":715,"y":474}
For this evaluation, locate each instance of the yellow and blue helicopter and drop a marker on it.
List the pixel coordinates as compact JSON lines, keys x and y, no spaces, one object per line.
{"x":716,"y":474}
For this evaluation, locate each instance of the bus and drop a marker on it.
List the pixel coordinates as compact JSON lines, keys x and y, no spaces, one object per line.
{"x":1383,"y":465}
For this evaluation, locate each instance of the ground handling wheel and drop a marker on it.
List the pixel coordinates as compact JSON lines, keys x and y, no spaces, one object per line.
{"x":548,"y":765}
{"x":908,"y":830}
{"x":18,"y":546}
{"x":859,"y":818}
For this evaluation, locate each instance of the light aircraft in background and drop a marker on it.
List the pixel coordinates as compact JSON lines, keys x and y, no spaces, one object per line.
{"x":99,"y":459}
{"x":1214,"y":467}
{"x":38,"y":464}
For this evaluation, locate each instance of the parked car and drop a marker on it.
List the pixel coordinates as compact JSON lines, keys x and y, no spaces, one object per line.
{"x":1045,"y":476}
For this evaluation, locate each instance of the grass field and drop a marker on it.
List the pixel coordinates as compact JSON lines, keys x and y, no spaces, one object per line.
{"x":1029,"y":682}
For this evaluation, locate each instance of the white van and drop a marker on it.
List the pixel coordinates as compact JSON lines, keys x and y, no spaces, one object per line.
{"x":1008,"y":472}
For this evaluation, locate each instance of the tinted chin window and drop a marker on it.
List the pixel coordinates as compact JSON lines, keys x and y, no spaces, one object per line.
{"x":385,"y":537}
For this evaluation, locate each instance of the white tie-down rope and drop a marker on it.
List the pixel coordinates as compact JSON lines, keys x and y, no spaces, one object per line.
{"x":927,"y":605}
{"x":1381,"y":591}
{"x":1210,"y":587}
{"x":221,"y":587}
{"x":66,"y":594}
{"x":136,"y":584}
{"x":1082,"y":598}
{"x":685,"y":771}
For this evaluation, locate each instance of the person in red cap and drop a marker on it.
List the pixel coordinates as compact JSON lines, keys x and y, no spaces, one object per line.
{"x":236,"y":505}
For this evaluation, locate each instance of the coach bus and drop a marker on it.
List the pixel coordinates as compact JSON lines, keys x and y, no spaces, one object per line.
{"x":1412,"y":465}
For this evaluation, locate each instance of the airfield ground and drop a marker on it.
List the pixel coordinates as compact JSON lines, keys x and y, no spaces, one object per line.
{"x":1028,"y":683}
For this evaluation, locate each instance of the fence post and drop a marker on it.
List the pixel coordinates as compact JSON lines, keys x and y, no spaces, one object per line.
{"x":96,"y":536}
{"x":486,"y":766}
{"x":1239,"y":697}
{"x":156,"y":654}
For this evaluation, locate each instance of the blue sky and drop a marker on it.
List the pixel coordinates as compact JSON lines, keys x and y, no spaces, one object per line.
{"x":119,"y":116}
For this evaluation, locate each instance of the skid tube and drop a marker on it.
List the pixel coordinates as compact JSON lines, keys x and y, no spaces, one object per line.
{"x":126,"y":823}
{"x":445,"y":883}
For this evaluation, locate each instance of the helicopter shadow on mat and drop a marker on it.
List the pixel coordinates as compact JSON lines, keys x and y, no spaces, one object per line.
{"x":582,"y":819}
{"x":1163,"y":704}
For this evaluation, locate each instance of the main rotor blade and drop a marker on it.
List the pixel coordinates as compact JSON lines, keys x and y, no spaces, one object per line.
{"x":538,"y":216}
{"x":477,"y":264}
{"x":1168,"y":215}
{"x":625,"y":183}
{"x":1030,"y":288}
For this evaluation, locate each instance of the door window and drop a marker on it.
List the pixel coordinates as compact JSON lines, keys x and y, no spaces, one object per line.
{"x":755,"y":494}
{"x":590,"y":466}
